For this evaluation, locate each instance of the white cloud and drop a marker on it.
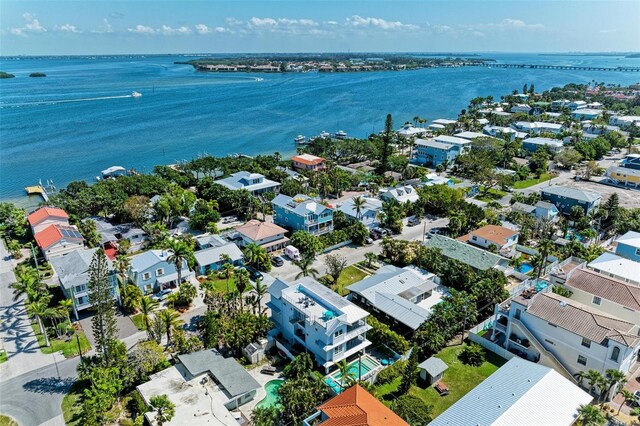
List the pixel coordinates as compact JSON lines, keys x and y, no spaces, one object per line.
{"x":31,"y":26}
{"x":67,"y":28}
{"x":142,"y":29}
{"x":517,"y":23}
{"x":222,"y":30}
{"x":604,"y":31}
{"x":167,"y":30}
{"x":105,"y":28}
{"x":262,"y":22}
{"x":202,"y":29}
{"x":358,"y":21}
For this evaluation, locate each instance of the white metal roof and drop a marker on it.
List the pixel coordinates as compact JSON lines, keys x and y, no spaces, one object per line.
{"x":610,"y":263}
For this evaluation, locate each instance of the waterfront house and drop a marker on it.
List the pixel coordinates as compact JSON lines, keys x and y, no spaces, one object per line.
{"x":302,"y":213}
{"x":537,"y":127}
{"x":602,"y":292}
{"x":265,"y":234}
{"x":454,"y":140}
{"x":309,"y":162}
{"x":255,"y":183}
{"x":501,"y":238}
{"x":565,"y":198}
{"x":469,"y":135}
{"x":354,"y":407}
{"x":476,"y":258}
{"x":533,"y":144}
{"x":565,"y":334}
{"x":368,"y":214}
{"x":631,"y":161}
{"x":586,"y":114}
{"x":72,"y":273}
{"x":402,"y":296}
{"x":210,"y":259}
{"x":408,"y":131}
{"x":312,"y":317}
{"x":558,"y":104}
{"x":576,"y":105}
{"x":500,"y":132}
{"x":45,"y":216}
{"x":521,"y":108}
{"x":445,"y":123}
{"x":59,"y":240}
{"x":432,"y":153}
{"x":519,"y":393}
{"x":151,"y":271}
{"x":617,"y":267}
{"x":204,"y":386}
{"x":402,"y":194}
{"x":624,"y":176}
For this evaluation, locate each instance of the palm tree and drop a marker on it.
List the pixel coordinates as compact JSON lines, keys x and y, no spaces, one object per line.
{"x":305,"y":267}
{"x":227,"y":272}
{"x":122,"y":266}
{"x":242,"y":283}
{"x":28,"y":282}
{"x":260,"y":290}
{"x":628,"y":396}
{"x":594,"y":378}
{"x":39,"y":310}
{"x":614,"y":378}
{"x":580,"y":376}
{"x":170,"y":320}
{"x":358,"y":204}
{"x":180,"y":253}
{"x":146,"y":306}
{"x":545,"y":248}
{"x":67,"y":305}
{"x":590,"y":415}
{"x":457,"y":222}
{"x":371,"y":257}
{"x":256,"y":255}
{"x":347,"y":377}
{"x":165,"y":409}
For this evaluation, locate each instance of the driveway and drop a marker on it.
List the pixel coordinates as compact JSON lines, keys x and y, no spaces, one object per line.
{"x":126,"y":327}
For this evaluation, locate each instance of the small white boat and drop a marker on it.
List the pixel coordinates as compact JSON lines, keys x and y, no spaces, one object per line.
{"x":135,"y":94}
{"x":324,"y":135}
{"x":300,"y":139}
{"x":340,"y":134}
{"x":113,"y":172}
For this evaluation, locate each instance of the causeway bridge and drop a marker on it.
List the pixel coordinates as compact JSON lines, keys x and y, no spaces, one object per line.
{"x":561,"y":67}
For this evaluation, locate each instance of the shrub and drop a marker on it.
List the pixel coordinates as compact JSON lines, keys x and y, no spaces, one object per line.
{"x":383,"y":334}
{"x":389,"y":374}
{"x":472,"y":354}
{"x":562,"y":291}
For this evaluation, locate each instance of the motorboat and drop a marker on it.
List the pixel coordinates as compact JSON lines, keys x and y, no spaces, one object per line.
{"x":300,"y":139}
{"x":135,"y":94}
{"x":324,"y":135}
{"x":113,"y":172}
{"x":340,"y":134}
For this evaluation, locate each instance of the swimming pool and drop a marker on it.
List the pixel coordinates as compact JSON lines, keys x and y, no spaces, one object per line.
{"x":356,"y":369}
{"x":272,"y":398}
{"x":525,"y":268}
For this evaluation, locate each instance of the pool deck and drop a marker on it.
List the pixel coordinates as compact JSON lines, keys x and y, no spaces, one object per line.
{"x":261,"y":393}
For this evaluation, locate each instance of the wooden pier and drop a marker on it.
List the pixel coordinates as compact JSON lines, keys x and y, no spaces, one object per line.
{"x":561,"y":67}
{"x":38,"y":190}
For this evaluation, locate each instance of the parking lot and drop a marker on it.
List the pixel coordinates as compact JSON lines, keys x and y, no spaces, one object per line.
{"x":629,"y":198}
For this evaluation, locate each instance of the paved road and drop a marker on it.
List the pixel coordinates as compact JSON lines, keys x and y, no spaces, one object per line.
{"x":355,"y":254}
{"x":34,"y":398}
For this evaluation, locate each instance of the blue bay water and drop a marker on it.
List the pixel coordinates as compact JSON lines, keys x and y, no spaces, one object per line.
{"x":183,"y":113}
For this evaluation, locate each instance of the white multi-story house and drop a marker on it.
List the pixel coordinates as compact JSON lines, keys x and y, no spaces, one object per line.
{"x":565,"y":334}
{"x":314,"y":318}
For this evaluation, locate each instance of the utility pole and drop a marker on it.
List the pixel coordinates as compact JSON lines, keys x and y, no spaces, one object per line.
{"x":424,"y":231}
{"x":35,"y":258}
{"x":464,"y":323}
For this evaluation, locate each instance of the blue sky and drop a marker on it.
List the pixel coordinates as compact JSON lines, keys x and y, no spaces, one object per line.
{"x":114,"y":27}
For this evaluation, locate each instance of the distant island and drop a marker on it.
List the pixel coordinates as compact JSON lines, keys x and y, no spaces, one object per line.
{"x":326,"y":63}
{"x":6,"y":75}
{"x":37,"y":74}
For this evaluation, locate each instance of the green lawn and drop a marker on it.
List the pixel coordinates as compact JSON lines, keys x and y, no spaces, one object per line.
{"x":492,"y":195}
{"x":221,"y":283}
{"x":459,"y":378}
{"x":69,"y":347}
{"x":138,"y":322}
{"x":350,"y":274}
{"x":71,"y":406}
{"x":3,"y":356}
{"x":530,"y":182}
{"x":7,"y":421}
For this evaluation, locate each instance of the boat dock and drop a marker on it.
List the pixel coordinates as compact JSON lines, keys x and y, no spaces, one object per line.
{"x":38,"y":190}
{"x":560,"y":67}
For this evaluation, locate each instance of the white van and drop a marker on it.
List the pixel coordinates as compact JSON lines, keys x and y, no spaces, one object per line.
{"x":292,"y":253}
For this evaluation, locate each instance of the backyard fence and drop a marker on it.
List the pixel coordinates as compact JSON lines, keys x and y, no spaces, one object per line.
{"x":475,"y":337}
{"x":336,"y":246}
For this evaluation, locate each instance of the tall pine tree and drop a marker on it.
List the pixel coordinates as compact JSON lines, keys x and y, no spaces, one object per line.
{"x":387,"y":137}
{"x":105,"y":327}
{"x":409,"y":376}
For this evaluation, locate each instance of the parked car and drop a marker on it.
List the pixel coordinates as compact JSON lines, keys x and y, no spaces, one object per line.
{"x":374,"y":236}
{"x":636,"y":398}
{"x":277,"y":261}
{"x":254,"y":274}
{"x":162,"y":294}
{"x":368,"y":241}
{"x":413,"y":221}
{"x":380,"y":231}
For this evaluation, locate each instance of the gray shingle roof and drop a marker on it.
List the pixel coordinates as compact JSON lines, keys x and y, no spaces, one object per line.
{"x":232,"y":376}
{"x":72,"y":269}
{"x":212,"y":255}
{"x":476,"y":258}
{"x":147,"y":259}
{"x":522,"y":207}
{"x":242,"y":180}
{"x":433,"y":366}
{"x":573,"y":193}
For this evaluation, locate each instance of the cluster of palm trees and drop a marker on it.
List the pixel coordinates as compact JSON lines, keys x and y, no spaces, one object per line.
{"x":158,"y":322}
{"x":38,"y":299}
{"x":603,"y":384}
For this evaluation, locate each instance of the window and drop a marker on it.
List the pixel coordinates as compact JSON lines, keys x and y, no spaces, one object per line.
{"x":549,"y":341}
{"x":338,"y":333}
{"x":337,"y":350}
{"x":552,"y":325}
{"x":596,"y":300}
{"x":582,"y":360}
{"x":586,"y":342}
{"x":146,"y":276}
{"x":518,"y":313}
{"x":615,"y":354}
{"x":474,"y":238}
{"x":159,"y":272}
{"x":638,"y":252}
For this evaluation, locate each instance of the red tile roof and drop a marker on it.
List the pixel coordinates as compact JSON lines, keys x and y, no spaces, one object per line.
{"x":357,"y":407}
{"x":52,"y":234}
{"x":44,"y":213}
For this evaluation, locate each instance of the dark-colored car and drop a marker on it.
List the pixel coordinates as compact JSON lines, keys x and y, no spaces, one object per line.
{"x":374,"y":236}
{"x":413,"y":221}
{"x":277,"y":261}
{"x":254,"y":274}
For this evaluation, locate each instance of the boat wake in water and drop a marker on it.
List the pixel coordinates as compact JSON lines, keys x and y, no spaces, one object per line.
{"x":64,"y":101}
